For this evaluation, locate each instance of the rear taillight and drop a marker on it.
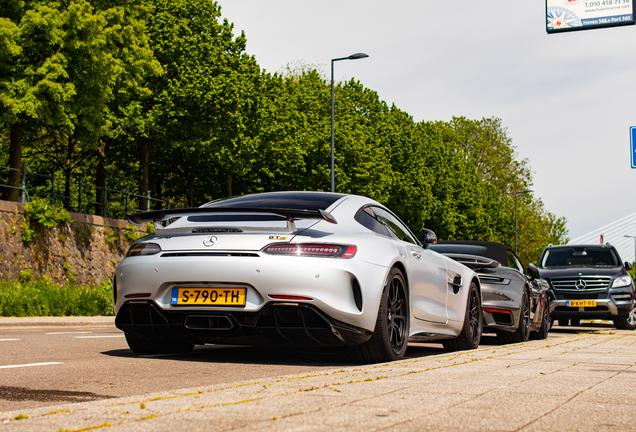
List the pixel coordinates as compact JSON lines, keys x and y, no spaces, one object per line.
{"x":144,"y":249}
{"x":497,"y":311}
{"x":311,"y":250}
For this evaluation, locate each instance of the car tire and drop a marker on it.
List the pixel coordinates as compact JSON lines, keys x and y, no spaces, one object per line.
{"x":470,"y":335}
{"x":522,"y":334}
{"x":563,"y":322}
{"x":391,"y":334}
{"x":628,"y":323}
{"x":546,"y":323}
{"x":145,"y":346}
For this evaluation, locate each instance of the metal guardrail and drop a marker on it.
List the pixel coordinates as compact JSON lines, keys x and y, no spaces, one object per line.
{"x":83,"y":197}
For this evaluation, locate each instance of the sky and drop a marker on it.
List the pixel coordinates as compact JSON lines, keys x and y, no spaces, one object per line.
{"x":567,"y":99}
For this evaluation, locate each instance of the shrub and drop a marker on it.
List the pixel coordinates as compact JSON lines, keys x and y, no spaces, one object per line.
{"x":132,"y":233}
{"x":43,"y":297}
{"x":111,"y":237}
{"x":40,"y":215}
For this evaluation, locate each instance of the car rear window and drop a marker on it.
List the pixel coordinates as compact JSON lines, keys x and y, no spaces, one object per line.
{"x":236,"y":218}
{"x":458,"y":249}
{"x":281,"y":200}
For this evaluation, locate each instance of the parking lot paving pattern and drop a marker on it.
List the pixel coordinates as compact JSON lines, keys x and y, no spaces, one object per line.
{"x":581,"y":381}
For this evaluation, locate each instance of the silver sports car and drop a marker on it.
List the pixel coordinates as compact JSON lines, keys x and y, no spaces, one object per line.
{"x":292,"y":268}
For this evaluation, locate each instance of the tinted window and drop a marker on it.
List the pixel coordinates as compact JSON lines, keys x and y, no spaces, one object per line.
{"x":395,"y":226}
{"x":367,"y":218}
{"x":281,"y":200}
{"x":579,"y":256}
{"x":458,"y":249}
{"x":513,"y":262}
{"x":236,"y":218}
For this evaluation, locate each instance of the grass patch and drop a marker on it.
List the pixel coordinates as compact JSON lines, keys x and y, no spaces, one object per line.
{"x":44,"y":297}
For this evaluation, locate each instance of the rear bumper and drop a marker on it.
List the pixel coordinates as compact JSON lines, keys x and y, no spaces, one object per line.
{"x":506,"y":302}
{"x":346,"y":290}
{"x":278,"y":324}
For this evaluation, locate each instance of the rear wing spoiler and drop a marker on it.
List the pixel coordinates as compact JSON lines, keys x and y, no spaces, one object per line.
{"x":157,"y":216}
{"x":472,"y":261}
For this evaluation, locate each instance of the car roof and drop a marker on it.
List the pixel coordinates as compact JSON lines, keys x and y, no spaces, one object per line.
{"x":579,"y":245}
{"x":492,"y":250}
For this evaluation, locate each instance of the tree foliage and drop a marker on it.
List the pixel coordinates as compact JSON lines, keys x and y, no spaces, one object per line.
{"x":160,"y":97}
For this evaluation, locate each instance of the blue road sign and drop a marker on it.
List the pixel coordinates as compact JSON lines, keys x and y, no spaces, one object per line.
{"x":632,"y":143}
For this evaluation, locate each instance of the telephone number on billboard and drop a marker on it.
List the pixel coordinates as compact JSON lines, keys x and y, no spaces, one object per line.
{"x":606,"y":3}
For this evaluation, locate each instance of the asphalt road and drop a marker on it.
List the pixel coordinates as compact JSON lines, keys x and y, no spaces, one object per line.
{"x":50,"y":366}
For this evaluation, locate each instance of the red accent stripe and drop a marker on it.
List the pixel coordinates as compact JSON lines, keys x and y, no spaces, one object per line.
{"x":285,"y":297}
{"x":137,"y":295}
{"x":497,"y":311}
{"x":351,"y":251}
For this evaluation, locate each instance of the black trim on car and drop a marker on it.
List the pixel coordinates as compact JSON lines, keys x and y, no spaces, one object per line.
{"x":277,"y":324}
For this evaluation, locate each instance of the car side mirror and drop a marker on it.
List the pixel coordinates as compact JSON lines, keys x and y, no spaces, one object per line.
{"x":428,"y":237}
{"x":628,"y":266}
{"x":533,"y":271}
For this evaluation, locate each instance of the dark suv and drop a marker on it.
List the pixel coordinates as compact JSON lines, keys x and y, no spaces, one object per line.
{"x":589,"y":282}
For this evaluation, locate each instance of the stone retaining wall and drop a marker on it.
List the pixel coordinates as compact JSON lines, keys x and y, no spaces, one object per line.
{"x":85,"y":250}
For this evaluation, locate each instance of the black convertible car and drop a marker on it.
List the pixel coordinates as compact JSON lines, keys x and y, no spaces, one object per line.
{"x":516,"y":305}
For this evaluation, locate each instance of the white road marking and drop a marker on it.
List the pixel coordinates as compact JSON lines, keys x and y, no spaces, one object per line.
{"x":56,"y":333}
{"x":8,"y":339}
{"x":92,"y":337}
{"x":30,"y":364}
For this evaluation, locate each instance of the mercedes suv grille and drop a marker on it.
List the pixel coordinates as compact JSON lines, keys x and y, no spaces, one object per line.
{"x":582,"y":283}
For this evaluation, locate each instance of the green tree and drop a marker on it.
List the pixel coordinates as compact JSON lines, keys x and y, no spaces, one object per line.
{"x":70,"y":60}
{"x":32,"y":74}
{"x":200,"y":111}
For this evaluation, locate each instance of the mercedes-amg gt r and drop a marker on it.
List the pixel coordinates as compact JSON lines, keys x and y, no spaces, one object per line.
{"x":292,"y":268}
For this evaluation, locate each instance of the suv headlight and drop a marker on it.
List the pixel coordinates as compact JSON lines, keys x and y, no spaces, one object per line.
{"x":622,"y":281}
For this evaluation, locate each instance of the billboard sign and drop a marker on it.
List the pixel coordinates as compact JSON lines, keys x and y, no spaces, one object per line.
{"x":568,"y":15}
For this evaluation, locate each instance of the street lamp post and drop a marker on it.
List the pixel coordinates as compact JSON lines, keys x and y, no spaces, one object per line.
{"x":518,"y":193}
{"x":351,"y":57}
{"x":634,"y":237}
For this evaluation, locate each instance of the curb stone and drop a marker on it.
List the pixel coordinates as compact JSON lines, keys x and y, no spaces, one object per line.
{"x":77,"y":321}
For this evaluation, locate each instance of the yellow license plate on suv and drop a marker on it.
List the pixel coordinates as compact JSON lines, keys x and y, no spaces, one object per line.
{"x":581,"y":303}
{"x":208,"y":296}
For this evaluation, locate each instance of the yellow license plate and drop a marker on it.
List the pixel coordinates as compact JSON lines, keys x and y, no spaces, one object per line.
{"x":581,"y":303}
{"x":208,"y":296}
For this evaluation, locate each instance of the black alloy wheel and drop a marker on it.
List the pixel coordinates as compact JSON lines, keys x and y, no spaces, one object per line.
{"x":391,"y":334}
{"x":396,"y":315}
{"x":628,"y":323}
{"x":470,"y":335}
{"x":522,"y":334}
{"x":546,"y":323}
{"x":474,"y":309}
